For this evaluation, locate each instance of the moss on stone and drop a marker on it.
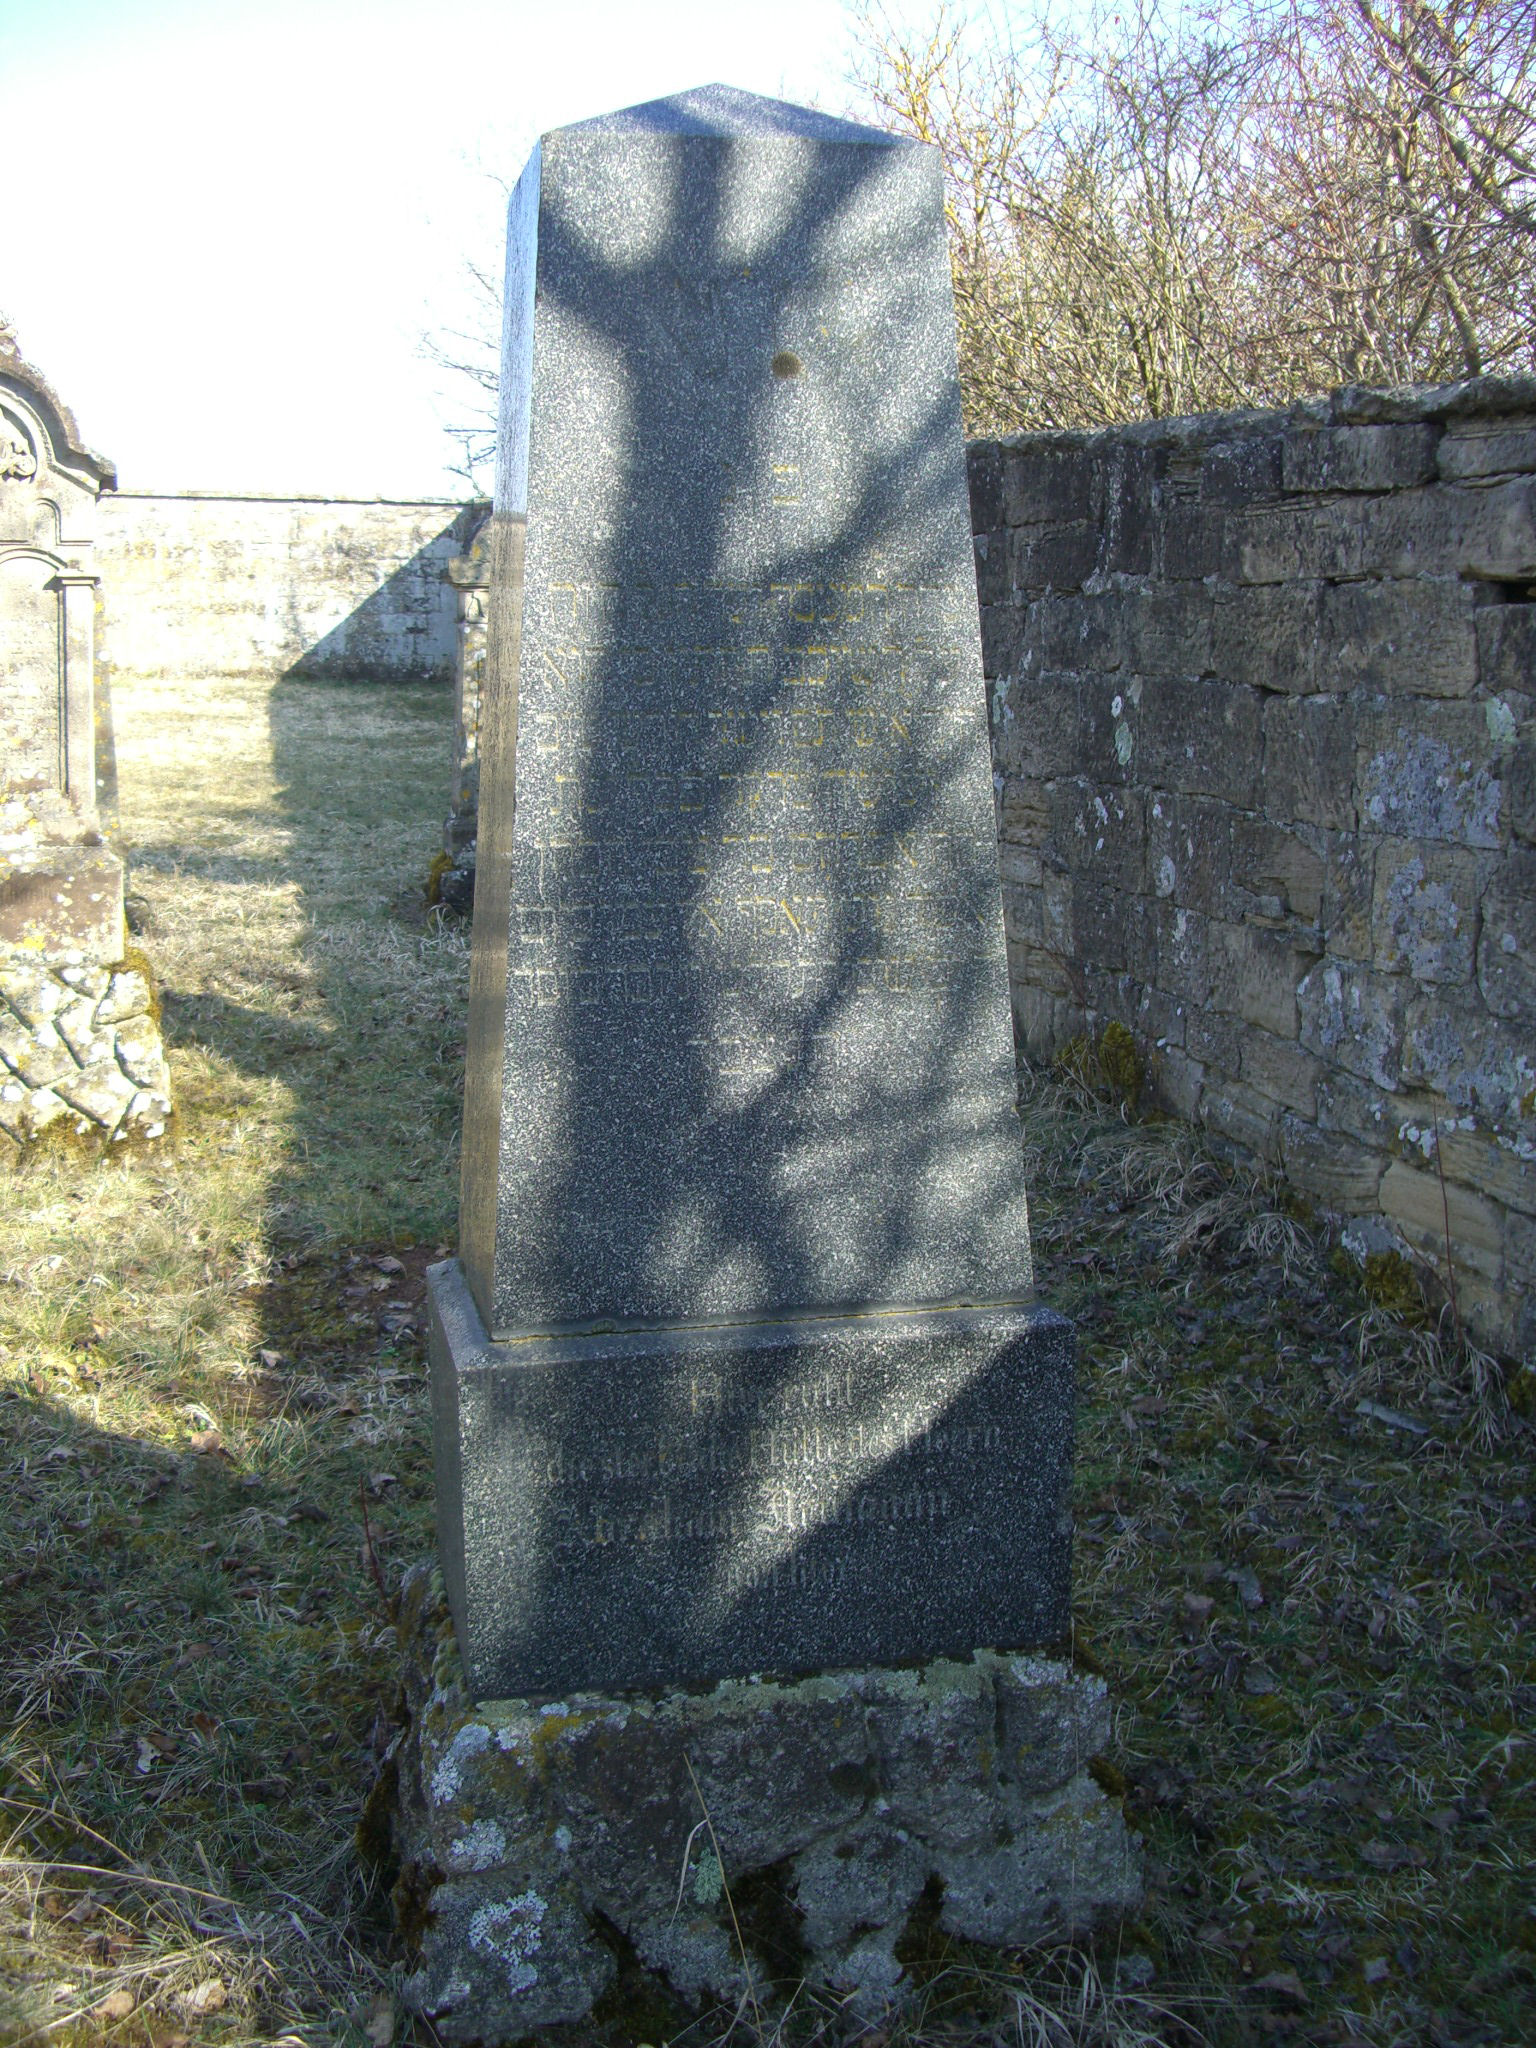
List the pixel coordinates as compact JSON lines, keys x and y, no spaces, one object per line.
{"x":1110,"y":1065}
{"x":1121,"y":1064}
{"x":442,"y":862}
{"x":1391,"y":1282}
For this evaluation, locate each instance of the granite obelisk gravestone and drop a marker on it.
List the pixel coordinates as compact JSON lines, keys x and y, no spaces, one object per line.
{"x":741,"y":1369}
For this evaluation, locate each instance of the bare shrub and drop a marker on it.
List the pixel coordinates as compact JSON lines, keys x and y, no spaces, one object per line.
{"x":1173,"y":210}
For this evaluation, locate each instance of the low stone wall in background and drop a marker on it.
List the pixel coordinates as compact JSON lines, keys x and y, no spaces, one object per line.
{"x":1262,"y":699}
{"x":197,"y":584}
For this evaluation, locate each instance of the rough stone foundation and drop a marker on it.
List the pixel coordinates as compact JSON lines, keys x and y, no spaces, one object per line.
{"x":536,"y":1837}
{"x":80,"y":1044}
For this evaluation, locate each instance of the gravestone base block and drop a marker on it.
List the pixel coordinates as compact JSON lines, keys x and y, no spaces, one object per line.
{"x":540,"y":1840}
{"x":665,"y":1506}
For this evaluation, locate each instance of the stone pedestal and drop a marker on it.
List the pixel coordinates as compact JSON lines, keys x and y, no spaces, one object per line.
{"x":537,"y":1838}
{"x":666,"y":1506}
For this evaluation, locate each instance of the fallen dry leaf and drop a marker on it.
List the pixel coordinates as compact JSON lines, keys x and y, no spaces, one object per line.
{"x":380,"y":2024}
{"x":212,"y":1995}
{"x":115,"y":2006}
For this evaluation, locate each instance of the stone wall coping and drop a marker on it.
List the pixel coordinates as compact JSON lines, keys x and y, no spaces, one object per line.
{"x":1350,"y":405}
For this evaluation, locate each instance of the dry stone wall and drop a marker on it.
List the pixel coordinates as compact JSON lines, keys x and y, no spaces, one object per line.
{"x":197,"y":584}
{"x":1262,"y":700}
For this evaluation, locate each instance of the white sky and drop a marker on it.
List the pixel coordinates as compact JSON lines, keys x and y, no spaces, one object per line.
{"x":230,"y":221}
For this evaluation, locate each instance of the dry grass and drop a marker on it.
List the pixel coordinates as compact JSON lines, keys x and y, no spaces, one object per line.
{"x":212,"y":1428}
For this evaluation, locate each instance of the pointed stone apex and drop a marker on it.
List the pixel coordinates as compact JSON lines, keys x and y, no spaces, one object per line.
{"x":726,"y":110}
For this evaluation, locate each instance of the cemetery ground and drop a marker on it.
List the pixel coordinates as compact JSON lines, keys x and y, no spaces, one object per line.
{"x":1303,"y":1535}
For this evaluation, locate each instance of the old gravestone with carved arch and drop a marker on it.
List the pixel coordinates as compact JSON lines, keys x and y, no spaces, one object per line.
{"x":80,"y":1047}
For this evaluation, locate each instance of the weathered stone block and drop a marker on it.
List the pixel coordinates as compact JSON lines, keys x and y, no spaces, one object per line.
{"x":1002,"y":636}
{"x":1074,"y":632}
{"x":984,"y":485}
{"x":1275,"y":874}
{"x":1243,"y":470}
{"x":1194,"y":541}
{"x":63,"y":902}
{"x":1177,"y":1082}
{"x":1290,"y":544}
{"x":1216,"y":1041}
{"x":1189,"y":852}
{"x":1309,"y":761}
{"x":1042,"y":484}
{"x":1108,"y":726}
{"x":1334,"y":1170}
{"x":1101,"y":834}
{"x":1506,"y":953}
{"x":1521,"y":784}
{"x":1424,"y":919}
{"x":1478,"y":448}
{"x":1038,"y":734}
{"x":1381,"y":458}
{"x":1435,"y":772}
{"x":1506,"y":647}
{"x":1044,"y":1022}
{"x":1477,"y":1062}
{"x":1059,"y":556}
{"x":1184,"y":956}
{"x":1166,"y":629}
{"x":994,"y":580}
{"x":1494,"y":1166}
{"x":1113,"y":932}
{"x":1129,"y":496}
{"x":1355,"y":1018}
{"x":1278,"y":1069}
{"x":1048,"y":971}
{"x":1241,"y":1116}
{"x":1358,"y":1108}
{"x":528,"y":1829}
{"x":1419,"y":1203}
{"x":1201,"y":737}
{"x":1349,"y":881}
{"x":1478,"y":531}
{"x":1254,"y":976}
{"x":1409,"y":635}
{"x":1024,"y":813}
{"x":1266,"y":635}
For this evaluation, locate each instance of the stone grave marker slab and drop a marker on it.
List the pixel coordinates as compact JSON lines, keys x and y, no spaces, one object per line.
{"x":742,"y":1369}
